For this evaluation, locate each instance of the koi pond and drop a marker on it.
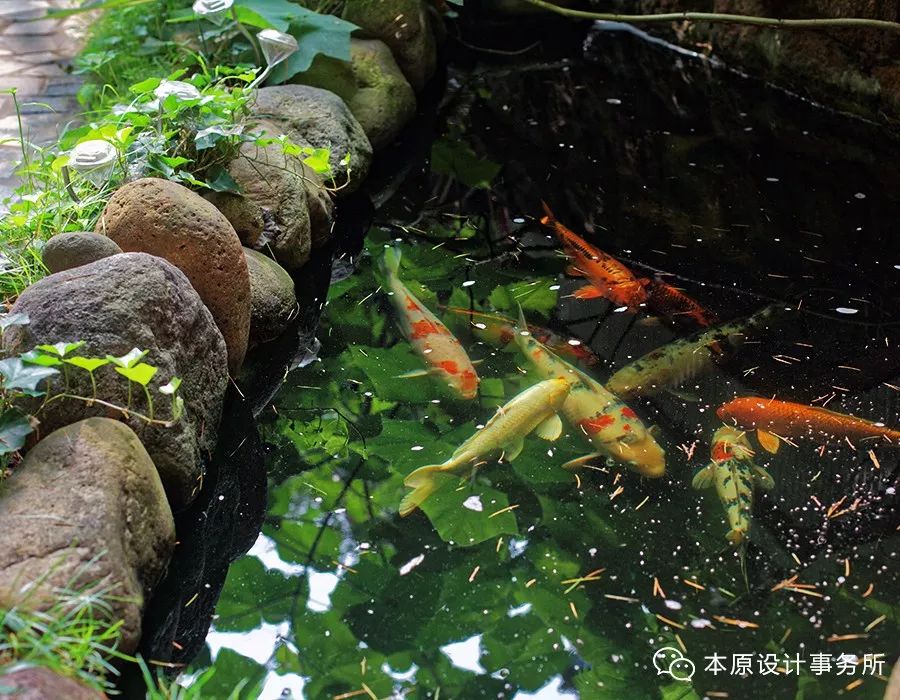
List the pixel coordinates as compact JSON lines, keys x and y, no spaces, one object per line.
{"x":715,"y":519}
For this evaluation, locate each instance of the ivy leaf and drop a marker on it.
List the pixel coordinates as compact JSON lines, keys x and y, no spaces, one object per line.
{"x":129,"y":359}
{"x":89,"y":364}
{"x":318,"y":159}
{"x":219,"y":180}
{"x":60,"y":349}
{"x":141,"y":373}
{"x":18,"y":375}
{"x":17,"y":319}
{"x":36,"y":357}
{"x":170,"y":388}
{"x":467,"y":516}
{"x":15,"y":426}
{"x":145,"y":86}
{"x":209,"y":137}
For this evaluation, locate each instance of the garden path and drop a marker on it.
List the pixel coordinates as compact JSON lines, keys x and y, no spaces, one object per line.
{"x":34,"y":58}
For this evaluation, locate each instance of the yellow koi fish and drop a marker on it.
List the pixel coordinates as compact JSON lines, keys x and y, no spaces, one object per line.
{"x":430,"y":338}
{"x":532,"y":410}
{"x":682,"y":360}
{"x":735,"y":477}
{"x":610,"y":426}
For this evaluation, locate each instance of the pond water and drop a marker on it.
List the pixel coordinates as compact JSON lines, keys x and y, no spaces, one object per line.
{"x":534,"y":581}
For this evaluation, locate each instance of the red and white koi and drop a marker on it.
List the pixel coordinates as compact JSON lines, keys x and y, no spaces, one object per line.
{"x":611,"y":427}
{"x":431,"y":339}
{"x":735,"y":477}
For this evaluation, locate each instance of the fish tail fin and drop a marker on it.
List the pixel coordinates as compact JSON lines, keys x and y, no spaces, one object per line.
{"x":424,"y":482}
{"x":705,"y":477}
{"x":549,"y":218}
{"x":390,"y":263}
{"x":736,"y":537}
{"x":522,"y":324}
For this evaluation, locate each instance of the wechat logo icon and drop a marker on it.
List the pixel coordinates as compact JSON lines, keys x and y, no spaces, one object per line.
{"x":670,"y":661}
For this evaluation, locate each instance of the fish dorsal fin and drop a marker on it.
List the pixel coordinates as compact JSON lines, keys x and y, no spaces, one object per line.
{"x":704,"y":478}
{"x":763,"y":479}
{"x":550,"y":429}
{"x":573,"y":270}
{"x":513,"y":450}
{"x":769,"y":441}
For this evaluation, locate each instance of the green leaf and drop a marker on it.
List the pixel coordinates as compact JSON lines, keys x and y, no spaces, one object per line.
{"x":17,"y":319}
{"x":219,"y":180}
{"x":145,"y":86}
{"x":171,"y":387}
{"x":60,"y":349}
{"x":315,"y":33}
{"x":18,"y":375}
{"x":89,"y":364}
{"x":15,"y":427}
{"x":141,"y":373}
{"x":535,"y":295}
{"x":36,"y":357}
{"x":463,"y":525}
{"x":456,"y":158}
{"x":383,"y":367}
{"x":318,"y":159}
{"x":210,"y":136}
{"x":129,"y":359}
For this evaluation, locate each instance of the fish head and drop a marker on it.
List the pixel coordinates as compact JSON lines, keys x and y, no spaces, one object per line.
{"x":642,"y":454}
{"x":730,"y":443}
{"x":557,"y":391}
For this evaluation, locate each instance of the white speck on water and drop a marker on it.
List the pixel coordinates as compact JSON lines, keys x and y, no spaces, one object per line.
{"x":554,"y":287}
{"x":468,"y":283}
{"x":473,"y":503}
{"x":620,"y":309}
{"x":860,"y":195}
{"x":673,"y":605}
{"x":480,"y":326}
{"x":411,"y":564}
{"x":772,"y":179}
{"x":518,"y":220}
{"x":574,"y":341}
{"x":416,"y":448}
{"x":593,"y":551}
{"x":846,"y":310}
{"x":613,"y":101}
{"x":700,"y":623}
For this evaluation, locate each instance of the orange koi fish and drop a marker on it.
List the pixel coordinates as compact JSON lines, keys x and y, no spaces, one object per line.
{"x":773,"y":419}
{"x":430,"y":338}
{"x":607,"y":277}
{"x":677,"y":306}
{"x":499,"y":331}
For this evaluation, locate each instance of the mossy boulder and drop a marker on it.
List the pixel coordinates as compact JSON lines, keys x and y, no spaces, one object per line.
{"x":86,"y":511}
{"x":116,"y":304}
{"x":67,"y":250}
{"x":168,"y":220}
{"x":273,"y":302}
{"x":318,"y":118}
{"x":405,"y":26}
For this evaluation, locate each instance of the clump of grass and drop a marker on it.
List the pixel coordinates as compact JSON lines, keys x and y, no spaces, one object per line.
{"x":73,"y":637}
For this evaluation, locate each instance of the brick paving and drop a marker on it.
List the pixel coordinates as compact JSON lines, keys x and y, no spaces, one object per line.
{"x":35,"y":56}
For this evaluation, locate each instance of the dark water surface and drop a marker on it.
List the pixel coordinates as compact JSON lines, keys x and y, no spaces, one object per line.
{"x":743,"y":196}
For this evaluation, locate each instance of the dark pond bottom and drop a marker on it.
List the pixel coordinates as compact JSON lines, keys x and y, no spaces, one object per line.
{"x":533,"y":581}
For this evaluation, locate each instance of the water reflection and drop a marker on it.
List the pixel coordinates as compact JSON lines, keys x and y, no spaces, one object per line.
{"x":536,"y":582}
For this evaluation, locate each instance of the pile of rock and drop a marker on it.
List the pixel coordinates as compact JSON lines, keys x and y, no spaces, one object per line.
{"x":197,"y":282}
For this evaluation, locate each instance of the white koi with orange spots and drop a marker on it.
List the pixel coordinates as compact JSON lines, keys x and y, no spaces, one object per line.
{"x":431,"y":339}
{"x":613,"y":428}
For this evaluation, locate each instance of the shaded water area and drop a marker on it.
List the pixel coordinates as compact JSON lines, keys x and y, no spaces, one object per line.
{"x":531,"y":580}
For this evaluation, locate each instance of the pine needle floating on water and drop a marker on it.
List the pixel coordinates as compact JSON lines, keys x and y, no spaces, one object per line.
{"x":669,"y":622}
{"x":694,"y":584}
{"x":743,"y":624}
{"x":657,"y":589}
{"x":573,"y":583}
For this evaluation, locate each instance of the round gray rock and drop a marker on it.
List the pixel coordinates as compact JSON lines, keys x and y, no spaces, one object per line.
{"x":405,"y":26}
{"x":314,"y":117}
{"x":67,"y":250}
{"x":116,"y":304}
{"x":86,"y":511}
{"x":38,"y":683}
{"x":273,"y":302}
{"x":384,"y":101}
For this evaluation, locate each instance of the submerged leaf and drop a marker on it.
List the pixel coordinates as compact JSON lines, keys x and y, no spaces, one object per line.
{"x":464,"y":526}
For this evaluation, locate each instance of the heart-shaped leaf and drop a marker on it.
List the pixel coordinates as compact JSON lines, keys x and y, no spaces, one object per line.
{"x":60,"y":349}
{"x":129,"y":359}
{"x":7,"y":320}
{"x":141,"y":373}
{"x":15,"y":426}
{"x":36,"y":357}
{"x":89,"y":364}
{"x":18,"y":375}
{"x":171,"y":387}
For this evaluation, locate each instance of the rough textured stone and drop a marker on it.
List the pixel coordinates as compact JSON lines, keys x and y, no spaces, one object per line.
{"x":853,"y":69}
{"x":319,"y":118}
{"x":293,"y":209}
{"x":37,"y":683}
{"x":404,"y":25}
{"x":116,"y":304}
{"x":165,"y":219}
{"x":384,"y":101}
{"x":272,"y":299}
{"x":86,"y":509}
{"x":67,"y":250}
